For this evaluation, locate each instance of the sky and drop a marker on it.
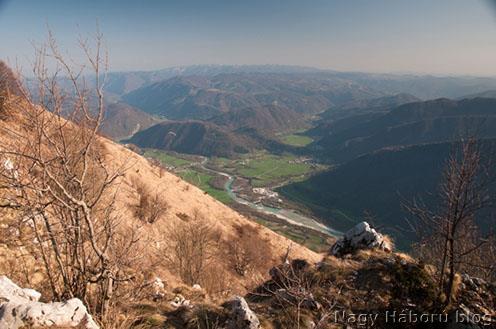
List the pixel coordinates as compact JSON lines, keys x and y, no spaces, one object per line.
{"x":442,"y":37}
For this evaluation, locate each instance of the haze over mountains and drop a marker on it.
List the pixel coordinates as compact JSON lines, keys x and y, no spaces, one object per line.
{"x":385,"y":135}
{"x":140,"y":189}
{"x":269,"y":99}
{"x":200,"y":97}
{"x":421,"y":86}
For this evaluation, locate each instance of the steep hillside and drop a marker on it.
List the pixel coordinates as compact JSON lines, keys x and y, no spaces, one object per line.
{"x":415,"y":123}
{"x":183,"y":203}
{"x":378,"y":183}
{"x":8,"y":81}
{"x":123,"y":121}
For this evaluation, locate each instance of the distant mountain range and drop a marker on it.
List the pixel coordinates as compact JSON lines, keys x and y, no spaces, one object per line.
{"x":409,"y":124}
{"x":266,"y":119}
{"x":421,"y":86}
{"x":275,"y":99}
{"x":123,"y":82}
{"x":255,"y":103}
{"x":368,"y":105}
{"x":199,"y":97}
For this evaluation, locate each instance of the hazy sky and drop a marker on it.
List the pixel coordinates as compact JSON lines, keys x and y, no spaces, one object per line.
{"x":421,"y":36}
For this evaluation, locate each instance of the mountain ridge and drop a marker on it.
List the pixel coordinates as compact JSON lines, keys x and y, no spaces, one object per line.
{"x":424,"y":123}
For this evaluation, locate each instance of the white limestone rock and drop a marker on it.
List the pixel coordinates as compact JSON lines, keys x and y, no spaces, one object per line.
{"x":180,"y":301}
{"x":362,"y":236}
{"x":20,"y":308}
{"x":158,"y":289}
{"x":11,"y":292}
{"x":242,"y":316}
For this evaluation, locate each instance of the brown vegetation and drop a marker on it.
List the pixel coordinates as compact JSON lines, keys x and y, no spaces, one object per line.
{"x":66,"y":225}
{"x":55,"y":178}
{"x":247,"y":252}
{"x":150,"y":205}
{"x":191,"y":251}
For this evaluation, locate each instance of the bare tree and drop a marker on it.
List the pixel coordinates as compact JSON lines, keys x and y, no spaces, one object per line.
{"x":59,"y":183}
{"x":450,"y":236}
{"x":248,"y":251}
{"x":291,"y":287}
{"x":191,"y":248}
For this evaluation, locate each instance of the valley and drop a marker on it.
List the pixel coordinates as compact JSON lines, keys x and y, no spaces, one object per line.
{"x":247,"y":184}
{"x":274,"y":140}
{"x":247,"y":164}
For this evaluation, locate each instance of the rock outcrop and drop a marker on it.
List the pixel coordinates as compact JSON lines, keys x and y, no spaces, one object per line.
{"x":362,"y":236}
{"x":242,"y":317}
{"x":21,"y":308}
{"x":180,"y":301}
{"x":158,"y":289}
{"x":477,"y":298}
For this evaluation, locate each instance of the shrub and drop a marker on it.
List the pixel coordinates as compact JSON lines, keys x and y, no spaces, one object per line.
{"x":150,"y":206}
{"x":413,"y":282}
{"x":248,"y":250}
{"x":191,"y":249}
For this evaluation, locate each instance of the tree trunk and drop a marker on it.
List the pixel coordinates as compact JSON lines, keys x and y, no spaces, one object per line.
{"x":451,"y":276}
{"x":108,"y":290}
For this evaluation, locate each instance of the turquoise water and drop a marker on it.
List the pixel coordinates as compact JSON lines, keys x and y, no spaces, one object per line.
{"x":288,"y":215}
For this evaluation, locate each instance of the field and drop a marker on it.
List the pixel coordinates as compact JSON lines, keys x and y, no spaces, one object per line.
{"x":296,"y":140}
{"x":263,"y":169}
{"x":203,"y":181}
{"x":269,"y":169}
{"x":183,"y":167}
{"x":166,"y":159}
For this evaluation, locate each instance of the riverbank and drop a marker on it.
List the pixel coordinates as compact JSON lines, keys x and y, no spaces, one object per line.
{"x":289,"y":215}
{"x":278,"y":216}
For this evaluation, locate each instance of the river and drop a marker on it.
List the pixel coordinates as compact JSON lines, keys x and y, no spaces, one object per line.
{"x":289,"y":215}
